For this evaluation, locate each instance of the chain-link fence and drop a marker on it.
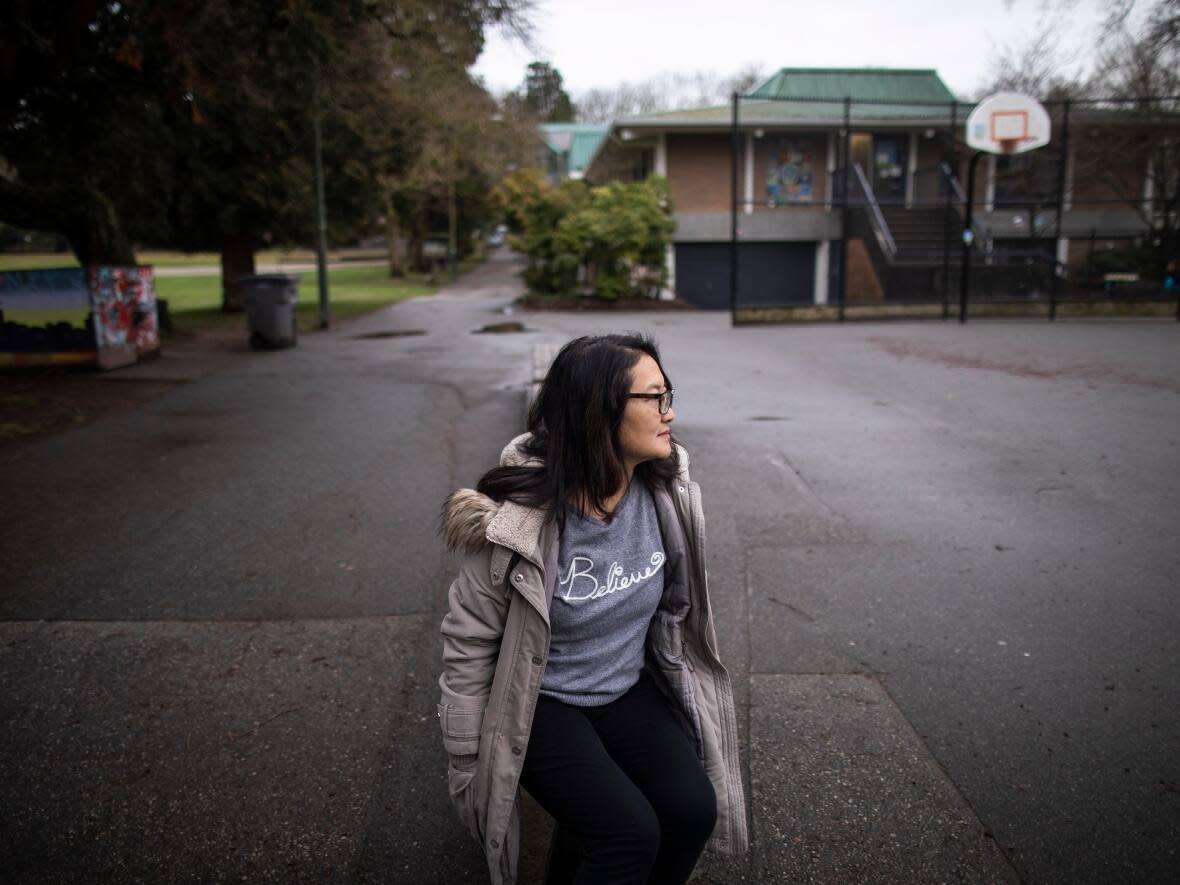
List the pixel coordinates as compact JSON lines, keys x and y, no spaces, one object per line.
{"x":880,"y":188}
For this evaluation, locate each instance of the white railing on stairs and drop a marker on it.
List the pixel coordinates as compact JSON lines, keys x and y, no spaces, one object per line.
{"x":957,"y":189}
{"x":880,"y":227}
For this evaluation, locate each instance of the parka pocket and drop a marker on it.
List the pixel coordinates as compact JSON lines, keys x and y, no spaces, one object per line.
{"x":461,"y":786}
{"x":460,"y":729}
{"x":461,"y":719}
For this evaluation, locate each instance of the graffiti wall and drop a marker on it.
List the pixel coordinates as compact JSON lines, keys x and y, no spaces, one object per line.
{"x":789,"y":176}
{"x":123,"y":300}
{"x":77,"y":315}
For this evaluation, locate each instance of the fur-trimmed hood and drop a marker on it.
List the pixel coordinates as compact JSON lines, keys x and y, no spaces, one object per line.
{"x":465,"y":519}
{"x":467,"y":514}
{"x":471,"y":519}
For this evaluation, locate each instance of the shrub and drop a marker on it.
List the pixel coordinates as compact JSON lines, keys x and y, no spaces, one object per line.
{"x":513,"y":195}
{"x":613,"y":236}
{"x":552,"y":267}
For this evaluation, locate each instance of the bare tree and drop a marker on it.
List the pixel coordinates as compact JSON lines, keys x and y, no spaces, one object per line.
{"x":1126,"y":93}
{"x":745,"y":79}
{"x":1138,"y":56}
{"x":1139,"y":60}
{"x":1037,"y":67}
{"x":669,"y":91}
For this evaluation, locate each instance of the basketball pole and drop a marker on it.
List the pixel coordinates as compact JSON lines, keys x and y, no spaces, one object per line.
{"x":968,"y":236}
{"x":1062,"y":160}
{"x":734,"y":150}
{"x":1003,"y":123}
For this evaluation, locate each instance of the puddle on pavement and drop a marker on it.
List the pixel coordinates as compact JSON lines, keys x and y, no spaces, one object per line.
{"x":389,"y":333}
{"x":508,"y":326}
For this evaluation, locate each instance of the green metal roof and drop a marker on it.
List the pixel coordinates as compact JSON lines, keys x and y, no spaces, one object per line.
{"x":820,"y":114}
{"x":902,"y":85}
{"x":815,"y":97}
{"x":579,"y":140}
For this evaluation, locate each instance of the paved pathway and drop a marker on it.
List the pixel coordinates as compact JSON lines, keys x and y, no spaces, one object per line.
{"x":941,"y":560}
{"x":214,"y":270}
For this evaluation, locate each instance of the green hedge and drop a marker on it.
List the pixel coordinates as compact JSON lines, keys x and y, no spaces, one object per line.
{"x":609,"y":240}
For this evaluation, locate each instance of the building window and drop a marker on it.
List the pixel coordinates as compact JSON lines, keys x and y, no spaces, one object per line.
{"x":645,"y":164}
{"x":1026,"y":180}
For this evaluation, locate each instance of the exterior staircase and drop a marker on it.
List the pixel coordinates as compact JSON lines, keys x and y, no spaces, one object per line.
{"x":922,"y":235}
{"x":902,"y":253}
{"x":910,"y":262}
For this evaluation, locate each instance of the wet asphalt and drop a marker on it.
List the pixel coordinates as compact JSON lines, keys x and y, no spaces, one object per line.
{"x":942,"y":560}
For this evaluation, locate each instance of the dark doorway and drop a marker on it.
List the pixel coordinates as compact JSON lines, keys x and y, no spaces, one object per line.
{"x":889,"y":168}
{"x":769,"y":274}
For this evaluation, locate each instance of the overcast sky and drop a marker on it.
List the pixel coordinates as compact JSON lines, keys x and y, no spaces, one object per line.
{"x":600,"y":43}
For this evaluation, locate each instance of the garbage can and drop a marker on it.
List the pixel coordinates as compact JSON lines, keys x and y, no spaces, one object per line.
{"x":270,"y":308}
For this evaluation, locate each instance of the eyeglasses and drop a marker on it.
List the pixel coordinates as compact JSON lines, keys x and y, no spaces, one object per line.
{"x":665,"y":399}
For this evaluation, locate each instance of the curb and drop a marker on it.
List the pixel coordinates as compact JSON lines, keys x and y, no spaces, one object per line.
{"x":543,"y":354}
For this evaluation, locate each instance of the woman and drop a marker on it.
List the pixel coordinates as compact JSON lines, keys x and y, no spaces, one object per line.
{"x":580,"y":659}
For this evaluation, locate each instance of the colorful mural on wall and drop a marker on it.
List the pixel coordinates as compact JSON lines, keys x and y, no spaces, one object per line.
{"x":77,"y":315}
{"x":789,"y":176}
{"x":46,"y":312}
{"x":124,"y":304}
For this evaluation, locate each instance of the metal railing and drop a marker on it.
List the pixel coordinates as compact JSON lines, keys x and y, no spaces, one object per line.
{"x":952,"y":181}
{"x":880,"y":227}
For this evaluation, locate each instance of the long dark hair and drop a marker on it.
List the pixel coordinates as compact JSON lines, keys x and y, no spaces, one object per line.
{"x":574,"y":422}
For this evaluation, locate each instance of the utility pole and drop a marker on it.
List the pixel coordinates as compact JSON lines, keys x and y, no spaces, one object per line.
{"x":321,"y":252}
{"x":452,"y":225}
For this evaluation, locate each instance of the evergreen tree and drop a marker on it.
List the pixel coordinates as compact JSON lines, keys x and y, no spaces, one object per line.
{"x":189,"y":124}
{"x":544,"y":96}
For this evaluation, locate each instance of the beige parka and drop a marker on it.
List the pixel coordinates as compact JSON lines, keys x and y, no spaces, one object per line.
{"x":496,"y":643}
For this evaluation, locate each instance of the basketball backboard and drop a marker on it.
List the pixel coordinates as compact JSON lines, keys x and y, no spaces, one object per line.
{"x":1008,"y":123}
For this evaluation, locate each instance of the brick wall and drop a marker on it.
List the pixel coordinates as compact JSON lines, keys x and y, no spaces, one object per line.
{"x":699,"y":172}
{"x":1109,"y":164}
{"x":699,"y":169}
{"x":862,"y":284}
{"x":1080,"y":249}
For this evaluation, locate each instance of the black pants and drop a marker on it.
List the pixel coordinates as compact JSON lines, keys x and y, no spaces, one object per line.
{"x":624,"y":778}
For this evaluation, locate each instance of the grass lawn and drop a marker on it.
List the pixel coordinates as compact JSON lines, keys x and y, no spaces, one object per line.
{"x":161,"y":258}
{"x":195,"y":302}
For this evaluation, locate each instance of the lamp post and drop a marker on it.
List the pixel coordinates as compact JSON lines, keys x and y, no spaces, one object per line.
{"x":321,"y":251}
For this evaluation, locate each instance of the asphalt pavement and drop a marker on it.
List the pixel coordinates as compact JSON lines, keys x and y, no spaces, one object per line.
{"x":942,"y":560}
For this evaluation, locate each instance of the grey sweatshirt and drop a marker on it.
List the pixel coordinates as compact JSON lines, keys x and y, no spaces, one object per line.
{"x":610,"y":578}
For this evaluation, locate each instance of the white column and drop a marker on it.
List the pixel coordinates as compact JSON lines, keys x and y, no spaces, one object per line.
{"x":662,"y":155}
{"x":1066,"y":205}
{"x":1149,"y":191}
{"x":749,"y":172}
{"x":909,"y":172}
{"x":989,"y":199}
{"x":822,"y":258}
{"x":1067,"y":197}
{"x":831,"y":167}
{"x":669,"y":291}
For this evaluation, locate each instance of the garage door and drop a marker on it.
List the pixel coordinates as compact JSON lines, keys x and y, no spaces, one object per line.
{"x":769,"y":274}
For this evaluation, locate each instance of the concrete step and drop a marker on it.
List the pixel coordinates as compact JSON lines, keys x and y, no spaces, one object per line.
{"x":844,"y":790}
{"x":542,"y":358}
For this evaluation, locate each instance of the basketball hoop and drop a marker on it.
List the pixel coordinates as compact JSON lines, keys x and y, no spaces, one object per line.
{"x":1008,"y":123}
